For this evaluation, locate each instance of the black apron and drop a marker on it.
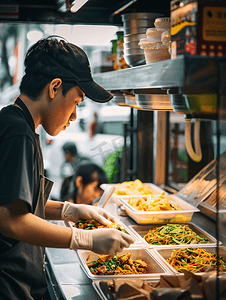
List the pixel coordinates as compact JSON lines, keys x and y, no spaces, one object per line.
{"x":22,"y":267}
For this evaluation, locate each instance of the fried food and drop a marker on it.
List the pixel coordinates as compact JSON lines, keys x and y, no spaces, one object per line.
{"x":152,"y":203}
{"x":117,"y":265}
{"x":135,"y":187}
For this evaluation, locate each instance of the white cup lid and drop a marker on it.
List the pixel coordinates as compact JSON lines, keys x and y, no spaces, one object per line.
{"x":162,"y":22}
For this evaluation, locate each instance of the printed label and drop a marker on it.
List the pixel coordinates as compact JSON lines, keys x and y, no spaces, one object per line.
{"x":214,"y":24}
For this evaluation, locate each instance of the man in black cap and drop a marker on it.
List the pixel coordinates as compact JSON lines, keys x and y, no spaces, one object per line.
{"x":57,"y":78}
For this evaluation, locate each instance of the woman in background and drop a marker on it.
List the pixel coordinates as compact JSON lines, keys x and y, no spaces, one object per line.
{"x":84,"y":186}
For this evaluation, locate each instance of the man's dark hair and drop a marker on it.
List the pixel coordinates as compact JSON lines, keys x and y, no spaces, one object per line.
{"x":39,"y":61}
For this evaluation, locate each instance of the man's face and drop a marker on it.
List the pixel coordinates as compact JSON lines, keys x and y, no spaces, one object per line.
{"x":62,"y":110}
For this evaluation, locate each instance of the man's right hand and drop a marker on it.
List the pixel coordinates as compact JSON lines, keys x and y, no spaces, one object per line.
{"x":100,"y":241}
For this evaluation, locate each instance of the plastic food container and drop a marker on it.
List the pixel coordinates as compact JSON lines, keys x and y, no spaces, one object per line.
{"x":164,"y":254}
{"x":155,"y":268}
{"x":162,"y":23}
{"x":165,"y":38}
{"x":140,"y":231}
{"x":154,"y":52}
{"x":160,"y":217}
{"x":127,"y":230}
{"x":104,"y":295}
{"x":154,"y":188}
{"x":154,"y":35}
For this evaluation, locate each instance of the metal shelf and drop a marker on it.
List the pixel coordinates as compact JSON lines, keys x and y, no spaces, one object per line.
{"x":183,"y":75}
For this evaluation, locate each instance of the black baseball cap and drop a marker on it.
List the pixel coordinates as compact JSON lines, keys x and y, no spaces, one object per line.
{"x":79,"y":72}
{"x":82,"y":75}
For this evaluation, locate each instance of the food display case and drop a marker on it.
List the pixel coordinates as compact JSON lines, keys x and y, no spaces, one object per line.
{"x":68,"y":275}
{"x":201,"y":193}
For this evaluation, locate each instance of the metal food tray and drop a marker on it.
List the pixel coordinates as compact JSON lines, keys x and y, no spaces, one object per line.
{"x":137,"y":242}
{"x":212,"y":212}
{"x":141,"y":230}
{"x":209,"y":205}
{"x":156,"y":267}
{"x":101,"y":292}
{"x":154,"y":188}
{"x":165,"y":253}
{"x":159,"y":217}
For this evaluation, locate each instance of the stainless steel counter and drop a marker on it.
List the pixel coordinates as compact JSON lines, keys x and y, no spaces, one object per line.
{"x":66,"y":279}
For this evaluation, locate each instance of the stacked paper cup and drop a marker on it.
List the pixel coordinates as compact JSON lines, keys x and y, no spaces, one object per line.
{"x":164,"y":23}
{"x":156,"y":44}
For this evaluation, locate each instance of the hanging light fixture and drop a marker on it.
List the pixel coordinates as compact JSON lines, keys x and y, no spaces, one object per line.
{"x":77,"y":4}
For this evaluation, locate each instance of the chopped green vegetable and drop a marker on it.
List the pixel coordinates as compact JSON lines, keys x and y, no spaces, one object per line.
{"x":174,"y":234}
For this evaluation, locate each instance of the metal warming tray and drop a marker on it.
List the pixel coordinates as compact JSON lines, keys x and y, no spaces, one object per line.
{"x":141,"y":230}
{"x":204,"y":183}
{"x":208,"y":207}
{"x":164,"y":254}
{"x":156,"y":267}
{"x":152,"y":217}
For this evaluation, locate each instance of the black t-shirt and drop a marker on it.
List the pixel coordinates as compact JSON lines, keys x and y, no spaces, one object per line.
{"x":19,"y":174}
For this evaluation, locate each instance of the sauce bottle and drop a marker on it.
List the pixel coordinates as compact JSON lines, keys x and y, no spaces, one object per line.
{"x":120,"y":61}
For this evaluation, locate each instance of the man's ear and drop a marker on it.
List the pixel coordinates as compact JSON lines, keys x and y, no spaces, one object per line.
{"x":54,"y":87}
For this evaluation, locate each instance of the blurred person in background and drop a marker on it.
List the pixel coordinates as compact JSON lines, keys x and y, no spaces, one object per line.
{"x":70,"y":159}
{"x":57,"y":78}
{"x":93,"y":126}
{"x":84,"y":186}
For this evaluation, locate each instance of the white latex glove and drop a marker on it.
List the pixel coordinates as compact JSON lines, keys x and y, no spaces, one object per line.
{"x":101,"y":241}
{"x":75,"y":212}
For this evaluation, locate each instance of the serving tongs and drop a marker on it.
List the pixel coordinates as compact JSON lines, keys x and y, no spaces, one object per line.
{"x":106,"y":196}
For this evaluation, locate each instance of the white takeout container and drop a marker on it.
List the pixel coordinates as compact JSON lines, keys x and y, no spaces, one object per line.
{"x":164,"y":254}
{"x":165,"y":38}
{"x":141,"y":230}
{"x":155,"y":269}
{"x":159,"y":217}
{"x":162,"y":23}
{"x":154,"y":51}
{"x":97,"y":286}
{"x":154,"y":35}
